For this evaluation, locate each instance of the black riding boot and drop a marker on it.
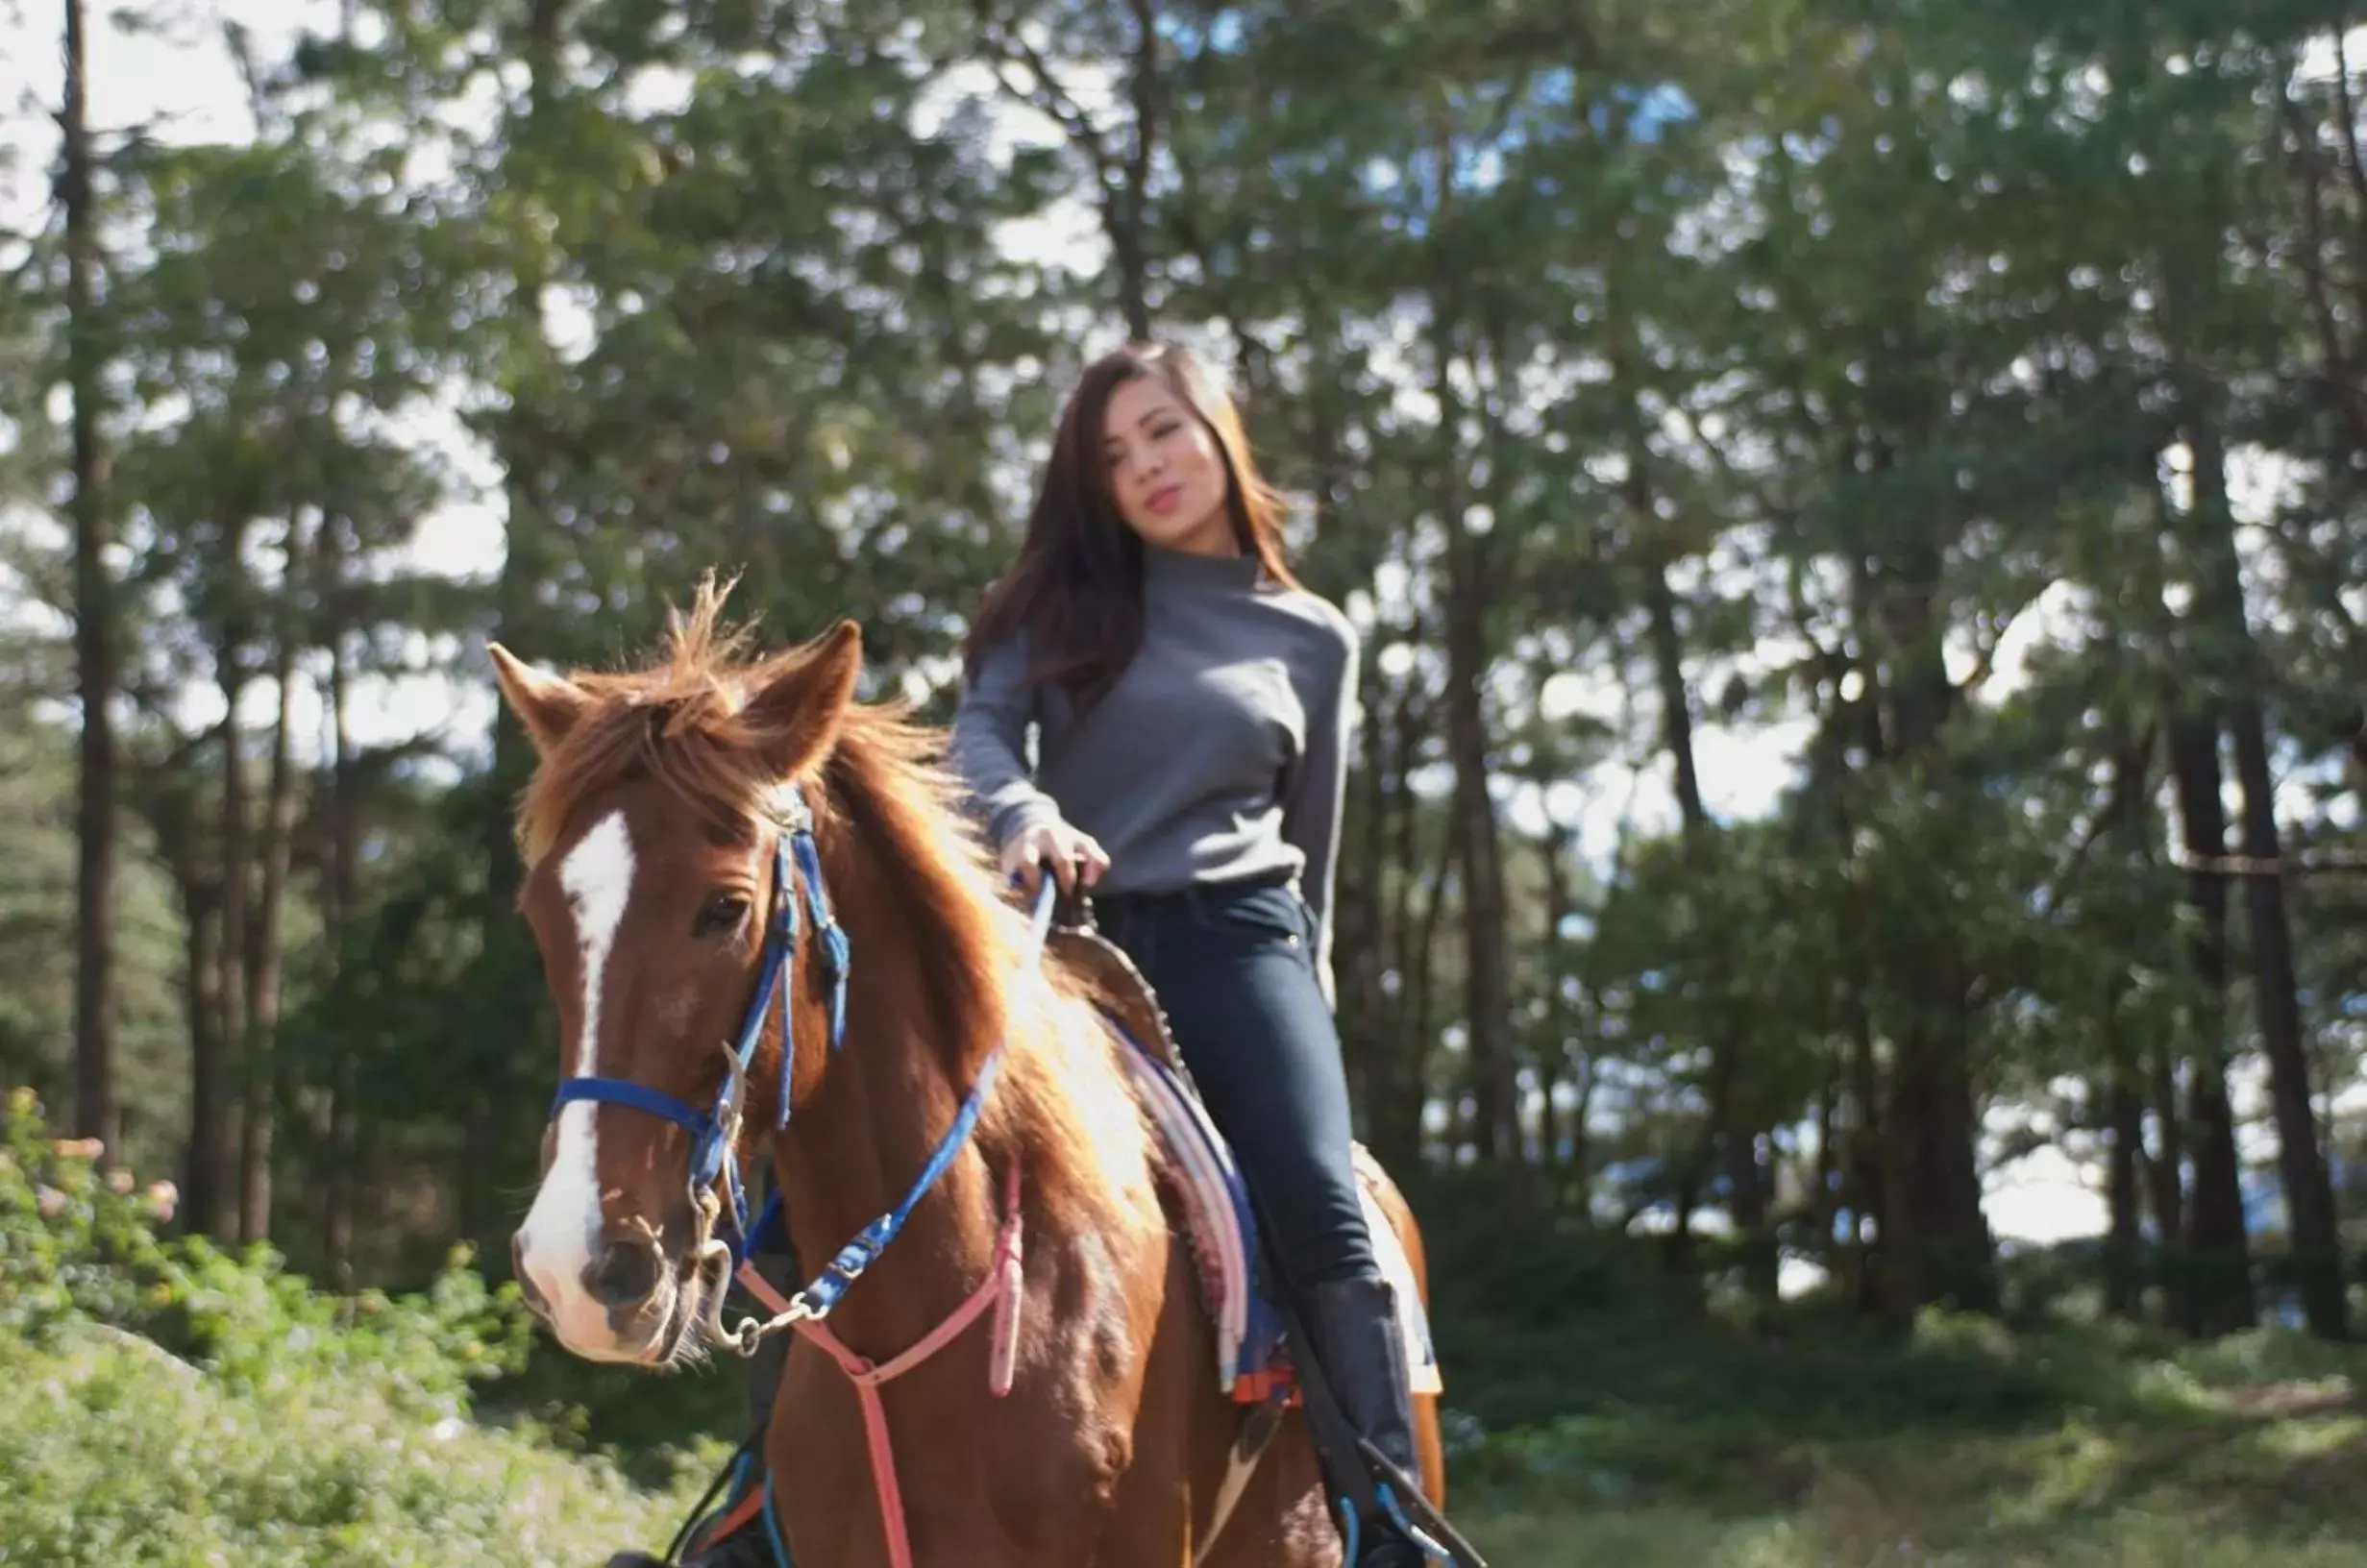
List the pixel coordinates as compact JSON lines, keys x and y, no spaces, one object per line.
{"x":1361,"y":1348}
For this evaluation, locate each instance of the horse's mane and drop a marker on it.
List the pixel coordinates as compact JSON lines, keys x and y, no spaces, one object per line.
{"x":894,"y":833}
{"x":682,"y":721}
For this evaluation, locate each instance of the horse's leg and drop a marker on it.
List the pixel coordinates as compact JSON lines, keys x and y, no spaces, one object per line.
{"x":1284,"y":1514}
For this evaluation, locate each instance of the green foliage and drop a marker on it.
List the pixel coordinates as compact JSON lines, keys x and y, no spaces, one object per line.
{"x":114,"y":1454}
{"x":1792,"y":384}
{"x":37,"y":925}
{"x":79,"y":1248}
{"x":180,"y":1404}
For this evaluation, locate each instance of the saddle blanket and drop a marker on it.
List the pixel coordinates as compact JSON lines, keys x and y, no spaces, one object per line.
{"x":1252,"y":1359}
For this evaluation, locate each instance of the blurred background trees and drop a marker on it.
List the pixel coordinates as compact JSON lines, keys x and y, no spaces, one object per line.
{"x":1858,"y":515}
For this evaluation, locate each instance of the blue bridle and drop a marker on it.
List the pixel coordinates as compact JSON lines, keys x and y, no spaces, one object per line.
{"x":715,"y":1130}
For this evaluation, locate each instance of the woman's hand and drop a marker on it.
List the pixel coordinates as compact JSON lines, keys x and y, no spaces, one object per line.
{"x":1073,"y":856}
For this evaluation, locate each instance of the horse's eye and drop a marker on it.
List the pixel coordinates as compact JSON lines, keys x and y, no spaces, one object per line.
{"x":720,"y":915}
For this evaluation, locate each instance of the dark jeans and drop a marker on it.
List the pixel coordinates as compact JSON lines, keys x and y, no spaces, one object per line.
{"x":1234,"y":970}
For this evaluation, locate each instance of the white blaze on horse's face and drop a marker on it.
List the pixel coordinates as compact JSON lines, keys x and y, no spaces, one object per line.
{"x":562,"y":1231}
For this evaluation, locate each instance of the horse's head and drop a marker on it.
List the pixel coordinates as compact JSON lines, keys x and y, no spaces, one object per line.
{"x":650,"y":833}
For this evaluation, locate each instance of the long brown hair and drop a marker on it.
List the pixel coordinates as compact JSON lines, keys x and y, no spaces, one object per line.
{"x":1077,"y":587}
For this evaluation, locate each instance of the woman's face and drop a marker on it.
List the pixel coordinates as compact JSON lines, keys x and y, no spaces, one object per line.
{"x":1167,"y":472}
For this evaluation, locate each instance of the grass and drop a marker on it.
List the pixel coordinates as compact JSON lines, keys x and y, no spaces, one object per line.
{"x":2281,"y":1496}
{"x":2245,"y":1456}
{"x":167,"y":1404}
{"x":2248,"y":1453}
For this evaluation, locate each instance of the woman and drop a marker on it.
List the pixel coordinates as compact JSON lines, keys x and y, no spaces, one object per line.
{"x":1192,"y":708}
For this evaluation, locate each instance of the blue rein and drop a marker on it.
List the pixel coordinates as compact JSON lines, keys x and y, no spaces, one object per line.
{"x":821,"y":1294}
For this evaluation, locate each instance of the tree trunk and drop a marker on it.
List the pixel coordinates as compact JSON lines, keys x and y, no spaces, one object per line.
{"x":1479,"y":855}
{"x":1126,"y":203}
{"x":262,"y":959}
{"x":1867,"y":1175}
{"x":527,"y":555}
{"x":2309,"y":1192}
{"x":1120,"y":168}
{"x":201,"y":937}
{"x":2300,"y":1164}
{"x":2165,"y":1169}
{"x":1937,"y":1237}
{"x":2123,"y":823}
{"x":2124,"y":1278}
{"x":1820,"y":1209}
{"x":213,"y":1101}
{"x":1677,"y":736}
{"x":1552,"y":955}
{"x":2323,"y":254}
{"x":97,"y":1110}
{"x":504,"y":976}
{"x":1478,"y":849}
{"x":341,"y":1177}
{"x":1397,"y":1114}
{"x":2211,"y":1284}
{"x":1668,"y":668}
{"x":1359,"y":956}
{"x":1730,"y":1134}
{"x":1577,"y":1173}
{"x":1425,"y":958}
{"x":1865,"y":1178}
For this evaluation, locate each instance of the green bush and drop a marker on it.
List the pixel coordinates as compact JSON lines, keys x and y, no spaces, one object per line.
{"x":114,"y":1454}
{"x":78,"y":1246}
{"x":172,"y":1403}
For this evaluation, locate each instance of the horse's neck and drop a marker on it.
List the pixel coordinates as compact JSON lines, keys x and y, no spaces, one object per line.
{"x":853,"y":1155}
{"x":891,"y":1093}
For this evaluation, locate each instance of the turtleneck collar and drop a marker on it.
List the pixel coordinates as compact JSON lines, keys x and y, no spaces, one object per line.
{"x":1189,"y":569}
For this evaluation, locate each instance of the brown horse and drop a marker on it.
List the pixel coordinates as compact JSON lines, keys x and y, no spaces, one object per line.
{"x":649,"y":834}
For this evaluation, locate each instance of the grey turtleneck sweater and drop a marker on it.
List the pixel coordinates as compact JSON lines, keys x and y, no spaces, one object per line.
{"x":1221,"y":752}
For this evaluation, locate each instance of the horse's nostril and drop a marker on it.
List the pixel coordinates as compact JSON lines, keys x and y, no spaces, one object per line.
{"x":624,"y":1273}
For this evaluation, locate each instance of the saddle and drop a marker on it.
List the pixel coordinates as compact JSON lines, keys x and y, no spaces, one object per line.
{"x":1204,"y":1183}
{"x":1113,"y":981}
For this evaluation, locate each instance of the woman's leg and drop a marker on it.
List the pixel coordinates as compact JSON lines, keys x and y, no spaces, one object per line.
{"x":1242,"y":999}
{"x":1232,"y":970}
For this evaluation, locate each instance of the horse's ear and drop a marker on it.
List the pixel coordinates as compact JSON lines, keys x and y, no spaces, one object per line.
{"x":549,"y":706}
{"x":795,"y":715}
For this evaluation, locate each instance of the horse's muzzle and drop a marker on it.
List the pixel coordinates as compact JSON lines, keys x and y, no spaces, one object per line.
{"x":612,"y":1299}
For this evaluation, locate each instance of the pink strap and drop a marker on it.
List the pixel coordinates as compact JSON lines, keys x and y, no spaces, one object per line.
{"x":999,"y":1289}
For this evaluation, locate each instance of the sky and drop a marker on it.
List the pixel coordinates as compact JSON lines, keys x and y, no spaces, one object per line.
{"x":181,"y":82}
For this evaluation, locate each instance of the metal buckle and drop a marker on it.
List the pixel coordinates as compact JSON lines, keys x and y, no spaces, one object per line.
{"x":706,"y":1199}
{"x":734,"y":1094}
{"x":796,"y":814}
